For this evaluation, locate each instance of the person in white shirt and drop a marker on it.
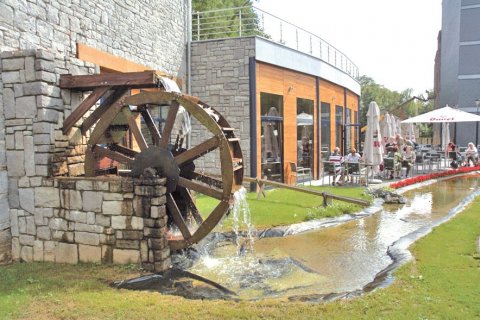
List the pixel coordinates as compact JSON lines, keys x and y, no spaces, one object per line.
{"x":337,"y":158}
{"x":471,"y":155}
{"x":352,"y":157}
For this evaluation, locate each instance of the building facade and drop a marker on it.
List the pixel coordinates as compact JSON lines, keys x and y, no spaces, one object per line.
{"x":458,"y":64}
{"x":291,"y":108}
{"x":42,"y":218}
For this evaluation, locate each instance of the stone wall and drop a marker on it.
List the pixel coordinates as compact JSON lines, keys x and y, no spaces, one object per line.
{"x":65,"y":220}
{"x":72,"y":220}
{"x":149,"y":32}
{"x":221,"y":73}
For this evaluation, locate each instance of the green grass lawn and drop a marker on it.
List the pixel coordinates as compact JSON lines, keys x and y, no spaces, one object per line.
{"x":284,"y":207}
{"x":441,"y":283}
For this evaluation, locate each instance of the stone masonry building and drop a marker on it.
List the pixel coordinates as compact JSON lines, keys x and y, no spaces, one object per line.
{"x":45,"y":217}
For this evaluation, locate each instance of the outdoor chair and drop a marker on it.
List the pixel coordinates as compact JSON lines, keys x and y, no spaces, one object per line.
{"x":435,"y":159}
{"x":300,"y":172}
{"x":332,"y":169}
{"x":422,"y":161}
{"x":356,"y":172}
{"x":390,"y":167}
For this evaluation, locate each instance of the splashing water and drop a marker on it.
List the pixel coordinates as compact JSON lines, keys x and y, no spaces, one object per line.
{"x":241,"y":217}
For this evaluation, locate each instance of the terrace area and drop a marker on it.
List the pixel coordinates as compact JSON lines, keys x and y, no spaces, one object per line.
{"x":252,"y":21}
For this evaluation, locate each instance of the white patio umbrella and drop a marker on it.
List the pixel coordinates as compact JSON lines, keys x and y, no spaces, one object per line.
{"x":398,"y":126}
{"x":445,"y":114}
{"x":373,"y":149}
{"x":387,"y":128}
{"x":411,"y":132}
{"x":445,"y":135}
{"x":304,"y":119}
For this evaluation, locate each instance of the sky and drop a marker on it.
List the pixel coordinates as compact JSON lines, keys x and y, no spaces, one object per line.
{"x":393,"y":42}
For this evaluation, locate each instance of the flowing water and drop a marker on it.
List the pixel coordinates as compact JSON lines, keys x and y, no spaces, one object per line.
{"x":342,"y":258}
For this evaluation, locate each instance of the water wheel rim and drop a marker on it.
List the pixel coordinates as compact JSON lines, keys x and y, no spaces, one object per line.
{"x":203,"y":114}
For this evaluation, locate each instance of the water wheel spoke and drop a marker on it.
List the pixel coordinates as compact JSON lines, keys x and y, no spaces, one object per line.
{"x":123,"y":150}
{"x":177,"y":217}
{"x":197,"y":151}
{"x":208,"y":179}
{"x":151,"y":125}
{"x":112,"y":99}
{"x":201,"y":188}
{"x":111,"y":154}
{"x":169,"y":122}
{"x":186,"y":195}
{"x":137,"y":133}
{"x":84,"y":107}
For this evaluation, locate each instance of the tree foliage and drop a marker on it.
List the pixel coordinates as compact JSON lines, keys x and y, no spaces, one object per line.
{"x":227,"y":23}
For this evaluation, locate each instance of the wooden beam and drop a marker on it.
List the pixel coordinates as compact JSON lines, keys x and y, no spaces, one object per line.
{"x":204,"y":189}
{"x":177,"y":217}
{"x":114,"y":155}
{"x":145,"y":79}
{"x":151,"y":125}
{"x":97,"y":113}
{"x":169,"y":122}
{"x":137,"y":133}
{"x":83,"y":108}
{"x":197,"y":151}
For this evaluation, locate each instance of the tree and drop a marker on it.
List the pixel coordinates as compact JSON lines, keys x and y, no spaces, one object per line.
{"x":229,"y":22}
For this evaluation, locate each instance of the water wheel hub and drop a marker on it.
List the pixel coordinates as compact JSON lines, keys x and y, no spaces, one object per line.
{"x":162,"y":161}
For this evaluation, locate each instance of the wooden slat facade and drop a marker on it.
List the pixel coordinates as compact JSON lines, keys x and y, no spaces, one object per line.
{"x":292,"y":85}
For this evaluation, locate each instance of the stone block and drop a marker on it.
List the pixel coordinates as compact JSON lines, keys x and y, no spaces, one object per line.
{"x":112,"y":207}
{"x":121,"y":256}
{"x":22,"y":225}
{"x":157,"y":201}
{"x":14,"y":223}
{"x":92,"y":201}
{"x":15,"y":163}
{"x":16,"y":248}
{"x":157,"y":243}
{"x":38,"y":250}
{"x":88,"y":228}
{"x":11,"y":77}
{"x":101,"y":185}
{"x":127,"y":222}
{"x":71,"y":199}
{"x":107,"y":254}
{"x":66,"y":253}
{"x":58,"y":224}
{"x":76,"y":170}
{"x":163,"y":265}
{"x":29,"y":156}
{"x":127,"y":244}
{"x":102,"y":220}
{"x":109,"y":196}
{"x":9,"y":103}
{"x":26,"y":240}
{"x":77,"y":216}
{"x":26,"y":197}
{"x":26,"y":254}
{"x":108,"y":239}
{"x":19,"y":140}
{"x":129,"y":234}
{"x":48,"y":115}
{"x":43,"y":233}
{"x":87,"y":238}
{"x":13,"y":64}
{"x":161,"y":255}
{"x":91,"y":254}
{"x":49,"y":251}
{"x":47,"y":197}
{"x":91,"y":218}
{"x":31,"y":227}
{"x":25,"y":107}
{"x":13,"y":196}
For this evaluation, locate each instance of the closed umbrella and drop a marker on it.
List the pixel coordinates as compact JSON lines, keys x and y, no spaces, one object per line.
{"x":387,"y":128}
{"x":445,"y":135}
{"x":398,"y":126}
{"x":373,"y":149}
{"x":411,"y":132}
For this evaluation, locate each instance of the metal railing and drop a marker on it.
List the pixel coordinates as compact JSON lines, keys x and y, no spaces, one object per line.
{"x":248,"y":21}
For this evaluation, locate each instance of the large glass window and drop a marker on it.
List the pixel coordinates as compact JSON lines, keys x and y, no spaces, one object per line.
{"x":325,"y":130}
{"x":271,"y":108}
{"x":339,"y":127}
{"x":305,"y":133}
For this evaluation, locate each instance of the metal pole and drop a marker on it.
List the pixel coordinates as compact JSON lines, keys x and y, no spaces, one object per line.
{"x":240,"y":21}
{"x":477,"y":102}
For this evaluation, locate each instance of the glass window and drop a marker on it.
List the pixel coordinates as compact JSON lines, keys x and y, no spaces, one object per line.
{"x":305,"y":133}
{"x":325,"y":130}
{"x":271,"y":108}
{"x":339,"y":127}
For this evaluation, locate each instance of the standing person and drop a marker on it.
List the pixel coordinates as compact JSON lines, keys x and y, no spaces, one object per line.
{"x":471,"y":155}
{"x":337,"y":159}
{"x":408,"y":159}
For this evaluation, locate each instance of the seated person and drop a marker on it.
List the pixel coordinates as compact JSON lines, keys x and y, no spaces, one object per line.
{"x":471,"y":155}
{"x":408,"y":159}
{"x":391,"y":143}
{"x":352,"y":157}
{"x":337,"y":159}
{"x":397,"y":157}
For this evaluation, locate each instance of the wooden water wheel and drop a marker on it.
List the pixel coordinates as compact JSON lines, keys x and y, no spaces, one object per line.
{"x":156,"y":148}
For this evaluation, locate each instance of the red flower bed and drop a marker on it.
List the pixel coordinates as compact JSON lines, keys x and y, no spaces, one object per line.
{"x":435,"y":175}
